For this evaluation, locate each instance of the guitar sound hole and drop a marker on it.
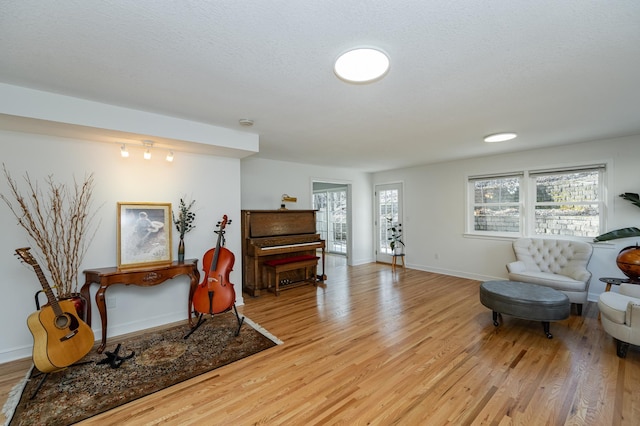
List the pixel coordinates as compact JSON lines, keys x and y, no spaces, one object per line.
{"x":62,"y":321}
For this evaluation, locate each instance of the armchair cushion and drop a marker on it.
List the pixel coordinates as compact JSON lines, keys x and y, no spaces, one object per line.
{"x":557,"y":281}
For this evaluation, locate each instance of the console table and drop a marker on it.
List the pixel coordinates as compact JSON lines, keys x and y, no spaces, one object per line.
{"x":144,"y":277}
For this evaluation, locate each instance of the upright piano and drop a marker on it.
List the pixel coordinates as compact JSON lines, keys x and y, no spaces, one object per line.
{"x":275,"y":234}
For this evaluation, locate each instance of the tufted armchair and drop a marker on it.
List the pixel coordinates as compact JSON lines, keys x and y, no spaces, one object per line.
{"x":620,"y":316}
{"x":559,"y":264}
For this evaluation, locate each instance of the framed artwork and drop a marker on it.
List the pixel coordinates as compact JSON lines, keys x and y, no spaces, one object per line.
{"x":144,"y":234}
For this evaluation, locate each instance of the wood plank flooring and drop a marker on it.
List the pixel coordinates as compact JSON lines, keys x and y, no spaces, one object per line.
{"x":407,"y":348}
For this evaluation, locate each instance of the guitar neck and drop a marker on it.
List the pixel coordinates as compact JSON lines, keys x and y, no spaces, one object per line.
{"x":24,"y":254}
{"x":53,"y":301}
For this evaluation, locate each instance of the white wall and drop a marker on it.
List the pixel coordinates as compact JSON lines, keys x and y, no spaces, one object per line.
{"x":434,"y":208}
{"x":264,"y":182}
{"x":214,"y":182}
{"x":433,"y":223}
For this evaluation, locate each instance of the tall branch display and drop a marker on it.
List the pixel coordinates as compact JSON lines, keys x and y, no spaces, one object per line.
{"x":58,"y":222}
{"x":184,"y":223}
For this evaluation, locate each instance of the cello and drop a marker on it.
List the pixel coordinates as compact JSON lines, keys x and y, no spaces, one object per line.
{"x":215,"y":294}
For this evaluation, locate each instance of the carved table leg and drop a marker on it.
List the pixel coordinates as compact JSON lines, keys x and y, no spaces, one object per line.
{"x":195,"y":279}
{"x":102,"y":308}
{"x":84,"y":291}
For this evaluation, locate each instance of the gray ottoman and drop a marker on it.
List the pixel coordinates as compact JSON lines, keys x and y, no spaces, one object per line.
{"x":526,"y":301}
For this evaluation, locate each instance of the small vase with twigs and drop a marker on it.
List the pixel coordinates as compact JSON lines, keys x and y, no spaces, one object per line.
{"x":184,"y":223}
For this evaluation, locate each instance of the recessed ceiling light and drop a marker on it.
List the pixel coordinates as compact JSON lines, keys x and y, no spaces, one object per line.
{"x":362,"y":65}
{"x":500,"y":137}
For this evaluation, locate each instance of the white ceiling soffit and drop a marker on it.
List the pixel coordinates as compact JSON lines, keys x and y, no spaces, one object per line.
{"x":34,"y":111}
{"x":555,"y":72}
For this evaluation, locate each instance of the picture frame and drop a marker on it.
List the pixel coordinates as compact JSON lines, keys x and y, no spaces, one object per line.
{"x":143,"y":234}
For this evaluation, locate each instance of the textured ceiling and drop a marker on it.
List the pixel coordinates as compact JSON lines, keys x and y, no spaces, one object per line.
{"x":556,"y":72}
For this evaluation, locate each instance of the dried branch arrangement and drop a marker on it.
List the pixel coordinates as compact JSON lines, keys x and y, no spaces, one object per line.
{"x":185,"y":218}
{"x":58,"y":223}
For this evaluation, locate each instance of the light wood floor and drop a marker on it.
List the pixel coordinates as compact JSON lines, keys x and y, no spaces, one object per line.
{"x":409,"y":348}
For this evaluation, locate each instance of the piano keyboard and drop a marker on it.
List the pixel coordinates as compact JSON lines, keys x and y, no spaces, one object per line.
{"x":291,"y":245}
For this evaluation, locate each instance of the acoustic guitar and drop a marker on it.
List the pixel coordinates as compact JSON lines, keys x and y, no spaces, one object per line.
{"x":60,"y":338}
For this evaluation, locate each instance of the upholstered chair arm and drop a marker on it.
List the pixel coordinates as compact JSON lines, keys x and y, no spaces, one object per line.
{"x":632,"y":290}
{"x":632,"y":320}
{"x":578,"y":273}
{"x":516,"y":267}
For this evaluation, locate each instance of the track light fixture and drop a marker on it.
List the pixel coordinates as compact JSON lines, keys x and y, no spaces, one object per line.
{"x":147,"y":152}
{"x":147,"y":145}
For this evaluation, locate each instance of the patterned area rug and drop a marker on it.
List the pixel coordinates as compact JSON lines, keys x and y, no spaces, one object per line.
{"x":161,"y":358}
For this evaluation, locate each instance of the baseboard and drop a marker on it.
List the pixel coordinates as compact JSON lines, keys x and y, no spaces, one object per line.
{"x":453,"y":273}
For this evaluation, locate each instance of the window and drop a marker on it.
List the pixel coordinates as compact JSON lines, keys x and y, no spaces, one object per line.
{"x":496,"y":204}
{"x":567,"y":203}
{"x":561,"y":202}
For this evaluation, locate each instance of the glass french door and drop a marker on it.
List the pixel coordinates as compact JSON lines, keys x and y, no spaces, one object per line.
{"x":388,"y":214}
{"x":331,"y":218}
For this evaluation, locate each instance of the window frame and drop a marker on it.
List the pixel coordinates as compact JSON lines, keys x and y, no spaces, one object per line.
{"x":528,"y":201}
{"x":470,"y":227}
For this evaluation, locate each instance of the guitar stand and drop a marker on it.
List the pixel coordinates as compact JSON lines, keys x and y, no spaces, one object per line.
{"x":45,"y":375}
{"x":201,"y":320}
{"x":114,"y":359}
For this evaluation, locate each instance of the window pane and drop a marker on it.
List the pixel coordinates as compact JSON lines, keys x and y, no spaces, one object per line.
{"x":320,"y":204}
{"x":568,"y":220}
{"x":331,"y":219}
{"x":388,"y":214}
{"x":560,"y":188}
{"x":338,"y":221}
{"x":506,"y":190}
{"x":568,"y":204}
{"x":496,"y":219}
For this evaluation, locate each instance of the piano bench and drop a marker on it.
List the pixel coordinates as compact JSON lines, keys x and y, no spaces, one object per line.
{"x":274,"y":267}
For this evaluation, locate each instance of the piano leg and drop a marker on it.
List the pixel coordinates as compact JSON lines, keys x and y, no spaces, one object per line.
{"x":323,"y":276}
{"x":257,"y":278}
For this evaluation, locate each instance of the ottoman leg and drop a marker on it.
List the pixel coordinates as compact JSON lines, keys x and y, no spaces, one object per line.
{"x":621,"y":348}
{"x":495,"y":319}
{"x":545,"y":326}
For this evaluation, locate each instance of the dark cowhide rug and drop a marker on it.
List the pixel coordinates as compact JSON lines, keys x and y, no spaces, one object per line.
{"x":162,"y":358}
